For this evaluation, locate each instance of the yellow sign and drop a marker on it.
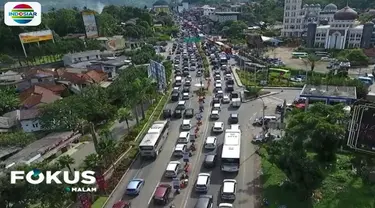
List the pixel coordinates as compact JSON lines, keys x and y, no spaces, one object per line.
{"x":38,"y":36}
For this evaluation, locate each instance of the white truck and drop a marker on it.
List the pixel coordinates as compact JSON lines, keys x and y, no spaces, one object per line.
{"x":236,"y":102}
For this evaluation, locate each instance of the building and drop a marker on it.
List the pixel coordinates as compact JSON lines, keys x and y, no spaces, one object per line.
{"x":75,"y":58}
{"x":207,"y":10}
{"x":329,"y":94}
{"x":224,"y":16}
{"x":38,"y":95}
{"x":29,"y":120}
{"x":185,"y":5}
{"x":161,"y":6}
{"x":342,"y":32}
{"x":328,"y":28}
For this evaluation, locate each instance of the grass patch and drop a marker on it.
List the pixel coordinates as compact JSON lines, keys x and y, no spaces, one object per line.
{"x":340,"y":189}
{"x":99,"y":202}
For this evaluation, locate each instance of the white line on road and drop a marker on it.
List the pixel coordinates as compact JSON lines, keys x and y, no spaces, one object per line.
{"x":153,"y":192}
{"x":195,"y":169}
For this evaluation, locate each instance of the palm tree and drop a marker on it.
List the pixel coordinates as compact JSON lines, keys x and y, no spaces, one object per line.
{"x":92,"y":162}
{"x":146,"y":91}
{"x":106,"y":133}
{"x":82,"y":124}
{"x":107,"y":151}
{"x":311,"y":60}
{"x":125,"y":114}
{"x":66,"y":161}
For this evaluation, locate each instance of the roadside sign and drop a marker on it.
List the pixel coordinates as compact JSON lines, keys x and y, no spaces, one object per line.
{"x":186,"y":156}
{"x":176,"y":183}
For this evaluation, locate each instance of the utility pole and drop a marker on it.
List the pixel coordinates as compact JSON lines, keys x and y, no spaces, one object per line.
{"x":283,"y":112}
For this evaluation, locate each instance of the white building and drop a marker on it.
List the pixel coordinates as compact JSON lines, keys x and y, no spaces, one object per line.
{"x":185,"y":5}
{"x":207,"y":10}
{"x":343,"y":31}
{"x":224,"y":16}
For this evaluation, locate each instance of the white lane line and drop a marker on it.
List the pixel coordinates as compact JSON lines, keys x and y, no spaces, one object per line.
{"x":149,"y":201}
{"x":194,"y":172}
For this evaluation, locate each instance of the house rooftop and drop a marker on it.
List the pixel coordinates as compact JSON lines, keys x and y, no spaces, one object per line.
{"x":113,"y":61}
{"x":36,"y":95}
{"x":227,"y":13}
{"x":329,"y":91}
{"x":39,"y":147}
{"x":10,"y":76}
{"x":29,"y":114}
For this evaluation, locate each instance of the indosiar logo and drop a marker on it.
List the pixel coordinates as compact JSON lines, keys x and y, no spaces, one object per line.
{"x":22,"y":13}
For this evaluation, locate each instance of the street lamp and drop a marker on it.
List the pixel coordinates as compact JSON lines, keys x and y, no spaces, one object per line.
{"x":263,"y":114}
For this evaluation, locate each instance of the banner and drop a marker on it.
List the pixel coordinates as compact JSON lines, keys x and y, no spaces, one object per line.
{"x":90,"y":24}
{"x":37,"y":36}
{"x":156,"y":71}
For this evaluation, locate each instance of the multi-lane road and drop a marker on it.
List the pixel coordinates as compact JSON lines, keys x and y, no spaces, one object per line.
{"x":247,"y":178}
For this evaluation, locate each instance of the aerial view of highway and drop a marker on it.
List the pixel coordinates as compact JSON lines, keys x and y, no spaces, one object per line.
{"x":202,"y":153}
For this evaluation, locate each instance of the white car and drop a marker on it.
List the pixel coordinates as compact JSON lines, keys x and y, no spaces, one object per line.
{"x":225,"y":205}
{"x":210,"y":143}
{"x":218,"y":82}
{"x":186,"y":124}
{"x":229,"y":189}
{"x":217,"y":107}
{"x":179,"y":150}
{"x":218,"y":127}
{"x":185,"y":96}
{"x":203,"y":182}
{"x":220,"y":93}
{"x":215,"y":114}
{"x":226,"y":99}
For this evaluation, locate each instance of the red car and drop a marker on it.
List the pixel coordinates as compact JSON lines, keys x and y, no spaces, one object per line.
{"x":122,"y":204}
{"x":161,"y":195}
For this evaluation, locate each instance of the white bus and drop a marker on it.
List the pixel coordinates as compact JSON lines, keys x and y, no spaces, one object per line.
{"x":152,"y":142}
{"x":230,"y":156}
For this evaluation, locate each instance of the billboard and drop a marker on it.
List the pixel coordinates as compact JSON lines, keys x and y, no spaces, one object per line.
{"x":37,"y":36}
{"x":361,"y":128}
{"x":156,"y":71}
{"x":89,"y":22}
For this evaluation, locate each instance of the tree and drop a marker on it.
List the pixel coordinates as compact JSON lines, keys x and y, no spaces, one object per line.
{"x":16,"y":139}
{"x":9,"y":100}
{"x":356,"y":57}
{"x":146,"y":90}
{"x":321,"y":127}
{"x":125,"y":114}
{"x":107,"y":151}
{"x":66,"y":161}
{"x":311,"y":61}
{"x":92,"y":162}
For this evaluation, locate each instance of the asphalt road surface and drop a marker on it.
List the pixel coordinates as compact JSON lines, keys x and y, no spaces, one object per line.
{"x":247,"y":178}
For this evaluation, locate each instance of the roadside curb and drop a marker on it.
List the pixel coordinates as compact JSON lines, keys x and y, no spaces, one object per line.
{"x":284,"y":88}
{"x":262,"y":96}
{"x":129,"y":149}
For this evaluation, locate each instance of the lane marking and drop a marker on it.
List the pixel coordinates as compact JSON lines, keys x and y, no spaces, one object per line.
{"x":153,"y":192}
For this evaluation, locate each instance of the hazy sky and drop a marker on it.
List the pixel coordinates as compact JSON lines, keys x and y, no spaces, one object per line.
{"x":96,"y":5}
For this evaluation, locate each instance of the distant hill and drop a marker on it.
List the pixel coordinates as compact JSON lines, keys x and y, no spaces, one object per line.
{"x":96,"y":5}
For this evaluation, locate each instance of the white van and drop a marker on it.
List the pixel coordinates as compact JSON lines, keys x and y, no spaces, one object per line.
{"x":184,"y":137}
{"x":173,"y":168}
{"x":178,"y":81}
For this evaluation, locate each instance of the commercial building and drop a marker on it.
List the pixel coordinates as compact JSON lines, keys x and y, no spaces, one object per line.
{"x":161,"y":6}
{"x":329,"y":94}
{"x":328,"y":28}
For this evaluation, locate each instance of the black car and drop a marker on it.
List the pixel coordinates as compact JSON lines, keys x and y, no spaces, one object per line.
{"x":167,"y":113}
{"x":215,"y":100}
{"x":186,"y":89}
{"x":210,"y":160}
{"x":230,"y":88}
{"x":230,"y":82}
{"x":177,"y":113}
{"x":175,"y":96}
{"x":233,"y":118}
{"x":189,"y":113}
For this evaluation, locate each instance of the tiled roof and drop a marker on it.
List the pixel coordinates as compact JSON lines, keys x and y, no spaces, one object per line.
{"x":75,"y":78}
{"x":96,"y":76}
{"x":29,"y":114}
{"x":40,"y":73}
{"x":55,"y":88}
{"x":36,"y":95}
